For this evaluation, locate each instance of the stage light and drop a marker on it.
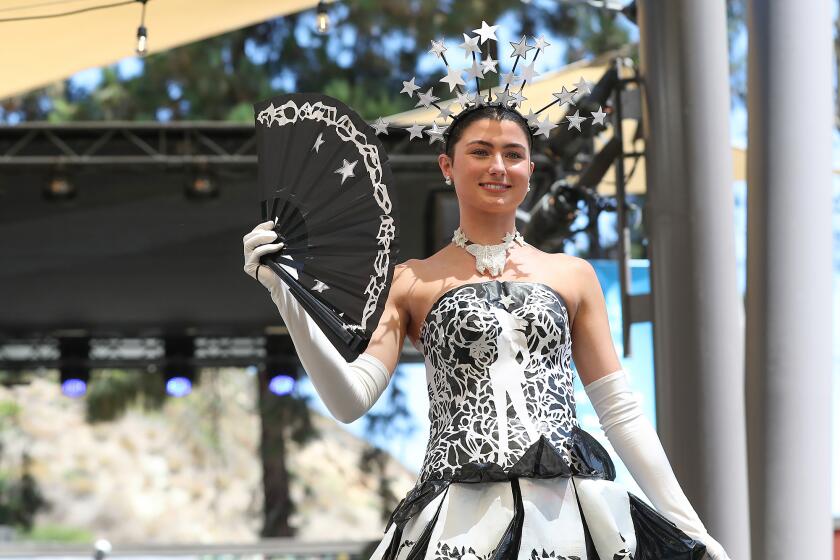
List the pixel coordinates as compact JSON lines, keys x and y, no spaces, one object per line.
{"x":179,"y":384}
{"x":179,"y":372}
{"x":59,"y":187}
{"x":74,"y":372}
{"x":280,"y":364}
{"x":322,"y":19}
{"x":201,"y":186}
{"x":142,"y":33}
{"x":74,"y":381}
{"x":281,"y":384}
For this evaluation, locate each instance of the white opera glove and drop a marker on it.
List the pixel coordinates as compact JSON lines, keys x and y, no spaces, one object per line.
{"x":636,"y":442}
{"x":348,"y":390}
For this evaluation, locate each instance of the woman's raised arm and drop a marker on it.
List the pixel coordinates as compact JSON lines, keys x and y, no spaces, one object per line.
{"x":348,"y":390}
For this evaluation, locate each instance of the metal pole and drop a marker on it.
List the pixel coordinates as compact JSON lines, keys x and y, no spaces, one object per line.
{"x":698,"y":314}
{"x":789,"y":272}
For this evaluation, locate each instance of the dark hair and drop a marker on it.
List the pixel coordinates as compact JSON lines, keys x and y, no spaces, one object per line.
{"x":493,"y":112}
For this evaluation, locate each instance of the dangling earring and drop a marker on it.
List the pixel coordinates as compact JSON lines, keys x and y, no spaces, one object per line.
{"x":448,"y":180}
{"x":529,"y":186}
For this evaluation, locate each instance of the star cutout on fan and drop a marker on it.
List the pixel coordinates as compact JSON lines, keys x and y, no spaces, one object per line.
{"x":583,"y":86}
{"x":486,"y":32}
{"x":565,"y":96}
{"x":475,"y":72}
{"x":415,"y":131}
{"x":506,"y":300}
{"x":541,"y":43}
{"x":347,"y":170}
{"x":435,"y":134}
{"x":426,"y":99}
{"x":598,"y":117}
{"x":380,"y":126}
{"x":453,"y":78}
{"x":410,"y":87}
{"x":489,"y":65}
{"x":318,"y":142}
{"x":470,"y":45}
{"x":319,"y":287}
{"x":438,"y":48}
{"x":521,"y":48}
{"x":575,"y":120}
{"x":445,"y":112}
{"x":545,"y":127}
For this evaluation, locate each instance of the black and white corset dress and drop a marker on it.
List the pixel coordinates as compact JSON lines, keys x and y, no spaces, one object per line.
{"x":508,"y":473}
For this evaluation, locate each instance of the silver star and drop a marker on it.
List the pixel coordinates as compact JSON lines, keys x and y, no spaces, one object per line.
{"x":575,"y":120}
{"x":477,"y":99}
{"x":507,"y":79}
{"x":453,"y":78}
{"x":464,"y":99}
{"x":409,"y":87}
{"x":426,"y":99}
{"x":445,"y":112}
{"x":318,"y":141}
{"x":528,"y":72}
{"x":521,"y":48}
{"x":380,"y":126}
{"x":583,"y":86}
{"x":506,"y":300}
{"x":517,"y":98}
{"x":319,"y":287}
{"x":489,"y":65}
{"x":415,"y":131}
{"x":598,"y":117}
{"x":486,"y":32}
{"x":435,"y":134}
{"x":475,"y":72}
{"x":545,"y":127}
{"x":503,"y":97}
{"x":470,"y":45}
{"x":541,"y":43}
{"x":438,"y":48}
{"x":346,"y":170}
{"x":532,"y":118}
{"x":565,"y":96}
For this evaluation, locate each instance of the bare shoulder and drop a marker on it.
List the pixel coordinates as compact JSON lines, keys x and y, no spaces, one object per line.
{"x":571,"y":276}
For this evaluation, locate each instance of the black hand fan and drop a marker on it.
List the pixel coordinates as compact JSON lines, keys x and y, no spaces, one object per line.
{"x":324,"y":177}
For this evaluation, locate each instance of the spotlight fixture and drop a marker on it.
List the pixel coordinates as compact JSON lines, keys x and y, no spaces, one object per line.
{"x":201,"y":186}
{"x":322,"y":18}
{"x":59,"y":187}
{"x":142,"y":33}
{"x":179,"y":379}
{"x":179,"y":372}
{"x":74,"y":381}
{"x":73,"y":365}
{"x":280,"y":364}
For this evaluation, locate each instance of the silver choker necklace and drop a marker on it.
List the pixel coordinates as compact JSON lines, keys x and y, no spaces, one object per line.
{"x":488,"y":258}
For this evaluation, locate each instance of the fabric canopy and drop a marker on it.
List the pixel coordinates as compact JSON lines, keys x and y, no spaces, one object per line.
{"x":38,"y":52}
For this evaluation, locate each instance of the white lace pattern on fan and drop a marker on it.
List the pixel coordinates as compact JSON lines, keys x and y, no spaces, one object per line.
{"x":290,"y":113}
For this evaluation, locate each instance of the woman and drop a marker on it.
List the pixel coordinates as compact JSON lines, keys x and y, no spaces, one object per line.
{"x":507,"y":469}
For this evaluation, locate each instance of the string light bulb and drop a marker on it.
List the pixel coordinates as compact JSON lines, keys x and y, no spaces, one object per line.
{"x":322,"y":19}
{"x":142,"y":32}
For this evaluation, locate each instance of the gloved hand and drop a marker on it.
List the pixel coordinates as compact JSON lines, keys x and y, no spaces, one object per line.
{"x":348,"y":390}
{"x":636,"y":442}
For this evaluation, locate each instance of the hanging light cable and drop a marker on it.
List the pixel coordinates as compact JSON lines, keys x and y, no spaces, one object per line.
{"x":142,"y":33}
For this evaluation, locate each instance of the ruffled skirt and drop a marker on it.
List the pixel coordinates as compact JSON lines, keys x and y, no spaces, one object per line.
{"x":536,"y":515}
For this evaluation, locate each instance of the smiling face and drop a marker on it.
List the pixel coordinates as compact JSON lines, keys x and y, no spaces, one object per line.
{"x":490,"y":166}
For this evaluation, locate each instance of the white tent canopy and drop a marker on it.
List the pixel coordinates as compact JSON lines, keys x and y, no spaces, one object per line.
{"x":38,"y":52}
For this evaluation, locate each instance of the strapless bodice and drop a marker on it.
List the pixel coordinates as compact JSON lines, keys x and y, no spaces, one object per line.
{"x":498,"y":368}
